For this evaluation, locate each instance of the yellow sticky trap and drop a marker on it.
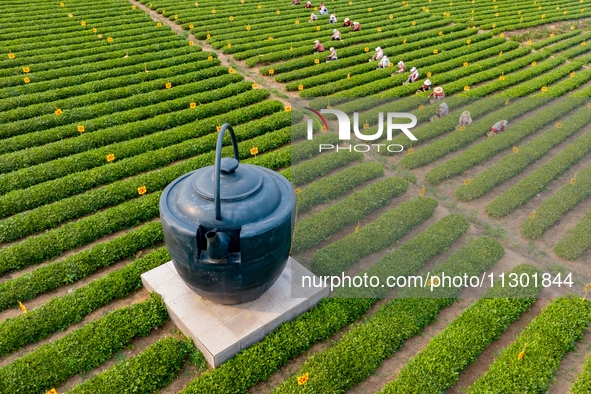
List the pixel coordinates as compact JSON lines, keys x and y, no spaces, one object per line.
{"x":192,"y":105}
{"x":467,"y":182}
{"x":302,"y":379}
{"x":271,"y":71}
{"x":110,"y":157}
{"x":254,"y":150}
{"x":23,"y":308}
{"x":81,"y":129}
{"x":141,"y":190}
{"x":255,"y":85}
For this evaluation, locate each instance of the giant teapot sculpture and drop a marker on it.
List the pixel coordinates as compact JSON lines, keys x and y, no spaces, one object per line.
{"x":229,"y":227}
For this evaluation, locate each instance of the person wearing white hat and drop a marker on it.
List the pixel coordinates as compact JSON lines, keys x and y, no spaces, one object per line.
{"x":414,"y":75}
{"x":333,"y":55}
{"x":465,"y":119}
{"x":356,"y":26}
{"x":426,"y":86}
{"x":323,"y":9}
{"x":318,"y":47}
{"x":313,"y":17}
{"x":332,"y":18}
{"x":378,"y":55}
{"x":437,"y":94}
{"x":347,"y":22}
{"x":384,"y":62}
{"x":401,"y":68}
{"x":336,"y":35}
{"x":497,"y":128}
{"x":308,"y":4}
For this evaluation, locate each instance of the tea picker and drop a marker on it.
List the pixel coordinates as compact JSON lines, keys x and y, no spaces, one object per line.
{"x":413,"y":77}
{"x":465,"y":120}
{"x":426,"y":86}
{"x":318,"y":47}
{"x":378,"y":55}
{"x":442,"y":111}
{"x":497,"y":128}
{"x":336,"y":35}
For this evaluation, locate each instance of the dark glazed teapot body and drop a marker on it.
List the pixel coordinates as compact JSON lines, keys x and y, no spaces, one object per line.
{"x":229,"y":227}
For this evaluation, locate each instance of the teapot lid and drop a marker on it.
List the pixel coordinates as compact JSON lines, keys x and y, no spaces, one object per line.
{"x":236,"y":183}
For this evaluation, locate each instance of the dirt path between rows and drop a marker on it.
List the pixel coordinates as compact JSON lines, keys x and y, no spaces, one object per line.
{"x":250,"y":74}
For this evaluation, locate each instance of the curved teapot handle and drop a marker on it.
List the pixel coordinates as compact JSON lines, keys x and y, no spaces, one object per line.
{"x":218,"y":162}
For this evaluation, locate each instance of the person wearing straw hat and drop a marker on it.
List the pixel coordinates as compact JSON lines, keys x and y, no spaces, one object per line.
{"x":332,"y":18}
{"x":347,"y":22}
{"x":378,"y":55}
{"x":426,"y":86}
{"x":313,"y":17}
{"x":333,"y":55}
{"x":413,"y":77}
{"x":356,"y":26}
{"x":465,"y":119}
{"x":318,"y":47}
{"x":497,"y":128}
{"x":437,"y":94}
{"x":295,"y":2}
{"x":336,"y":35}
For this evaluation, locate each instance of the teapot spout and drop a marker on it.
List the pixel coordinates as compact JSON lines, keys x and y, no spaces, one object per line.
{"x":217,"y":245}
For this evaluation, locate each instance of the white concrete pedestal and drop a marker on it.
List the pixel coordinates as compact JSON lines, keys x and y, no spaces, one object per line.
{"x":221,"y":331}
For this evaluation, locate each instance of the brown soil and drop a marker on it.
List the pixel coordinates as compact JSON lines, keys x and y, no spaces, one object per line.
{"x":486,"y":358}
